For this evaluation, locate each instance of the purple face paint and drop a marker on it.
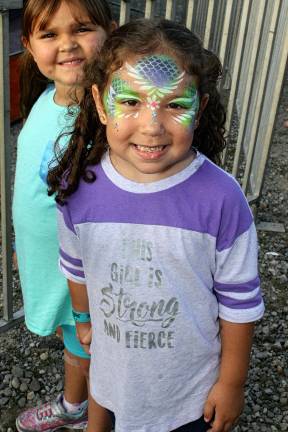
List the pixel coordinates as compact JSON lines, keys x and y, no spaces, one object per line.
{"x":159,"y":75}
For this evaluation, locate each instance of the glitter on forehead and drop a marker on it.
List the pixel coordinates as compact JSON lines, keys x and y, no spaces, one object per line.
{"x":158,"y":75}
{"x":117,"y":86}
{"x":158,"y":69}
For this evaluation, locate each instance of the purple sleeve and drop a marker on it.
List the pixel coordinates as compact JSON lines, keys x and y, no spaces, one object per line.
{"x":70,"y":260}
{"x":236,"y":280}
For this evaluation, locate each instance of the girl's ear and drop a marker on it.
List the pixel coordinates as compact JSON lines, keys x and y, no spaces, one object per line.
{"x":203,"y":103}
{"x":26,"y":45}
{"x":99,"y":104}
{"x":113,"y":26}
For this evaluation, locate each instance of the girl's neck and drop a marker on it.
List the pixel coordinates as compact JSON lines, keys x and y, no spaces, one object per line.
{"x":133,"y":173}
{"x":67,"y":95}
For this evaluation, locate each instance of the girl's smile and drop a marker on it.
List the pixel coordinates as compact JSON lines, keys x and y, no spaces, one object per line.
{"x":150,"y":149}
{"x":149,"y":108}
{"x":150,"y":152}
{"x":72,"y":62}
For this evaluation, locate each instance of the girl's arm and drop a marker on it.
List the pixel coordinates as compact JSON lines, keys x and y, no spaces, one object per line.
{"x":226,"y":398}
{"x":79,"y":296}
{"x":80,"y":303}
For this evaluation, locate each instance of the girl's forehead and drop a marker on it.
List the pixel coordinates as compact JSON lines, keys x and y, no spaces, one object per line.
{"x":45,"y":19}
{"x":163,"y":63}
{"x":157,"y":70}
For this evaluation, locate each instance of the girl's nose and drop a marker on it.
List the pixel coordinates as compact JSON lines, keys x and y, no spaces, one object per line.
{"x":151,"y":123}
{"x":67,"y":43}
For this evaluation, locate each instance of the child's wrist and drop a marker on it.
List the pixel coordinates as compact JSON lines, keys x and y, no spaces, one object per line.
{"x":81,"y":317}
{"x":232,"y":383}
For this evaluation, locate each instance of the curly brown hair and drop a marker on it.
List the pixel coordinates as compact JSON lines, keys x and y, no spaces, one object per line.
{"x":40,"y":12}
{"x":88,"y":141}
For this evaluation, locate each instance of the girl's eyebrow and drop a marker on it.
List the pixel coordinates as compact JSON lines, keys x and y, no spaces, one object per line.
{"x":85,"y":23}
{"x":73,"y":24}
{"x":189,"y":92}
{"x":127,"y":92}
{"x":182,"y":99}
{"x":121,"y":86}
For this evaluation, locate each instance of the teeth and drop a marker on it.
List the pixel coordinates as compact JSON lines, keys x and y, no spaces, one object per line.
{"x":150,"y":149}
{"x":71,"y":62}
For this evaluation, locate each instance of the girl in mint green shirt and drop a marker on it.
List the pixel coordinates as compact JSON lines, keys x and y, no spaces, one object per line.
{"x":59,"y":37}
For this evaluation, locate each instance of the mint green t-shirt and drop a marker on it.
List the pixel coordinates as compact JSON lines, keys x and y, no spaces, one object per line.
{"x":46,"y":296}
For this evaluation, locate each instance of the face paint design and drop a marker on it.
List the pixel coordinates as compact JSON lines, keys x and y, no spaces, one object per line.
{"x":118,"y":91}
{"x":190,"y":102}
{"x":159,"y":75}
{"x":154,"y":104}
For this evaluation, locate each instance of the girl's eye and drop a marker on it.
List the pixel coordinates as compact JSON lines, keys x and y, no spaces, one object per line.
{"x":48,"y":35}
{"x":127,"y":99}
{"x":129,"y":102}
{"x":83,"y":29}
{"x":175,"y":105}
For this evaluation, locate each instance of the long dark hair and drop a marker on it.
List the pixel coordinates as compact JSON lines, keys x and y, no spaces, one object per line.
{"x":88,"y":139}
{"x":40,"y":12}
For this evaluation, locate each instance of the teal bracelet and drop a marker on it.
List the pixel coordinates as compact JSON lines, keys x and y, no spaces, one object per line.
{"x":81,"y":317}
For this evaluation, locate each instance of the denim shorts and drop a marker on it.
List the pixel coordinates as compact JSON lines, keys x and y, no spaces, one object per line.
{"x":71,"y":342}
{"x":196,"y":426}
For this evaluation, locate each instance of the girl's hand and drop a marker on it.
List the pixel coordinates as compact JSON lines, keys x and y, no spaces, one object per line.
{"x":223,"y":406}
{"x":84,"y":334}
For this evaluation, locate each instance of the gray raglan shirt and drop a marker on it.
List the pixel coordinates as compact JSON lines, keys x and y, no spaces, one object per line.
{"x":162,"y":262}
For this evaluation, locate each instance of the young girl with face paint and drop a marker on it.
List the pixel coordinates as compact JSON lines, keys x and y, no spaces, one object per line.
{"x":60,"y":37}
{"x":158,"y":237}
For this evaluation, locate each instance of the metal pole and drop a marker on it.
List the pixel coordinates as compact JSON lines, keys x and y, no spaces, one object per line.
{"x":124,"y":11}
{"x":260,"y":95}
{"x":278,"y":80}
{"x":208,"y":23}
{"x":5,"y":164}
{"x":225,"y":31}
{"x":170,"y":9}
{"x":249,"y":80}
{"x":149,"y":8}
{"x":189,"y":18}
{"x":237,"y":65}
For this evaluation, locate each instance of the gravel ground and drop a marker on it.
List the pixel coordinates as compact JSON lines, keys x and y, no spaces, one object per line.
{"x":31,"y":368}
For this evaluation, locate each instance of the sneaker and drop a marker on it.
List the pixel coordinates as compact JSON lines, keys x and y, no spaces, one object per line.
{"x":50,"y":417}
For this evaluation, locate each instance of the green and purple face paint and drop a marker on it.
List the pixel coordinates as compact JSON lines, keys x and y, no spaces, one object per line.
{"x":118,"y":92}
{"x":158,"y":76}
{"x":190,"y":103}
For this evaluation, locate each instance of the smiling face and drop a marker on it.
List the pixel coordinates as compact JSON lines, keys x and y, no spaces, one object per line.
{"x":149,"y":108}
{"x":64,"y":45}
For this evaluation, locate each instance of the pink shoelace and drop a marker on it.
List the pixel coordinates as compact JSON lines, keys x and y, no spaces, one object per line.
{"x":44,"y":411}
